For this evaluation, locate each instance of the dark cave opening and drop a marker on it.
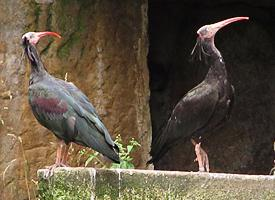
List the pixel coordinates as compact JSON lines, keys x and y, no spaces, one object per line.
{"x":244,"y":144}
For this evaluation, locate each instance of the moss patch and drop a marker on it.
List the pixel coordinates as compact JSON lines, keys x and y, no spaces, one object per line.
{"x":85,"y":183}
{"x":72,"y":22}
{"x":107,"y":184}
{"x":66,"y":185}
{"x":64,"y":50}
{"x":195,"y":186}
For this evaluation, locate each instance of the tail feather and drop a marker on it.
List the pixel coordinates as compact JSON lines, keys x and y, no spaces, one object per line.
{"x":162,"y":143}
{"x":159,"y":146}
{"x":158,"y":155}
{"x":88,"y":135}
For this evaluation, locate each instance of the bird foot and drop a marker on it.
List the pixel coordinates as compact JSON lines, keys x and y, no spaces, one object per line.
{"x":50,"y":169}
{"x":272,"y":171}
{"x":202,"y":169}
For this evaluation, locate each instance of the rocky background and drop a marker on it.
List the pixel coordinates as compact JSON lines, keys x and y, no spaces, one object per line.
{"x":103,"y":51}
{"x":245,"y":143}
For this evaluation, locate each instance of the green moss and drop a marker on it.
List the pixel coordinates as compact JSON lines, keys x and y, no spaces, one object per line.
{"x":138,"y":185}
{"x":37,"y":11}
{"x":141,"y":186}
{"x":67,"y":185}
{"x":73,"y":22}
{"x":196,"y":187}
{"x":149,"y":193}
{"x":64,"y":50}
{"x":33,"y":12}
{"x":49,"y":17}
{"x":107,"y":183}
{"x":71,"y":25}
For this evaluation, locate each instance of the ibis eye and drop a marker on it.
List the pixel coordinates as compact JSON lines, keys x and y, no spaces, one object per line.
{"x":204,"y":31}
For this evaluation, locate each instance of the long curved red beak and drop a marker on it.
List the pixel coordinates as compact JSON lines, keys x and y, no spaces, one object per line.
{"x":223,"y":23}
{"x":209,"y":31}
{"x":42,"y":34}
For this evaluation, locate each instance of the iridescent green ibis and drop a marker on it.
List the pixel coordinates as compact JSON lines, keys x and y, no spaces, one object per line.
{"x":63,"y":109}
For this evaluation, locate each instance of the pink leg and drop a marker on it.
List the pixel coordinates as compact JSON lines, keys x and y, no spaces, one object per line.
{"x":60,"y":158}
{"x":201,"y":157}
{"x":58,"y":154}
{"x":64,"y":158}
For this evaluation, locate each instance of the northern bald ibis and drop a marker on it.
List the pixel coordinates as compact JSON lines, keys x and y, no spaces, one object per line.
{"x":63,"y":109}
{"x":204,"y":107}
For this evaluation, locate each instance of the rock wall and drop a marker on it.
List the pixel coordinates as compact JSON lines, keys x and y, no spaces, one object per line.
{"x":103,"y":51}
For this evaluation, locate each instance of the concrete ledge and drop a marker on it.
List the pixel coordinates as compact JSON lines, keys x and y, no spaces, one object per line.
{"x":90,"y":183}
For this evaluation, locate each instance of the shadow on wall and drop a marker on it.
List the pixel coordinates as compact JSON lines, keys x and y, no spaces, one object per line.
{"x":245,"y":143}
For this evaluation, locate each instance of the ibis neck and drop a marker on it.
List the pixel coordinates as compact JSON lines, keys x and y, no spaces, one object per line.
{"x":37,"y":66}
{"x":217,"y":69}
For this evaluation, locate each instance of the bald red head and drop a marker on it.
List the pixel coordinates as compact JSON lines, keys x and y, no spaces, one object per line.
{"x":34,"y":37}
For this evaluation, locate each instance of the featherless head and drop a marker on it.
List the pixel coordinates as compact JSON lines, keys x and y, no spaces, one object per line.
{"x":34,"y":37}
{"x":209,"y":31}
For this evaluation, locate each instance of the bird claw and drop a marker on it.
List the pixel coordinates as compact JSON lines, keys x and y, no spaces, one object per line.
{"x":272,"y":171}
{"x":50,"y":169}
{"x":48,"y":173}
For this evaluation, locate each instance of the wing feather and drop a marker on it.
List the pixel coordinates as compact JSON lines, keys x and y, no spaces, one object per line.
{"x":190,"y":114}
{"x":86,"y":128}
{"x":88,"y":111}
{"x":48,"y":108}
{"x":78,"y":95}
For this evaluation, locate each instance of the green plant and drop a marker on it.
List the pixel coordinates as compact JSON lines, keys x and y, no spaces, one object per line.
{"x":94,"y":156}
{"x":125,"y":151}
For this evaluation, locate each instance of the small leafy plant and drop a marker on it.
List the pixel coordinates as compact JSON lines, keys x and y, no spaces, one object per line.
{"x":125,"y":151}
{"x":92,"y":156}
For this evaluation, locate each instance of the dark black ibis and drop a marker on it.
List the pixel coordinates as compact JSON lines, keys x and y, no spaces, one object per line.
{"x":204,"y":107}
{"x":63,"y":109}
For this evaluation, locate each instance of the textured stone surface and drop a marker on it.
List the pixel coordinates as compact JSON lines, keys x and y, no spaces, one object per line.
{"x":142,"y":184}
{"x":74,"y":184}
{"x":103,"y":50}
{"x":244,"y":143}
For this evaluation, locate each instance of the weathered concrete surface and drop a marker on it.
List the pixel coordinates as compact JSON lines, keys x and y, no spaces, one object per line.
{"x":147,"y":184}
{"x":103,"y":49}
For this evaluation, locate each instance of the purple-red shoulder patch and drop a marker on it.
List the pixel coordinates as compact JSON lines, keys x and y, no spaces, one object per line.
{"x":51,"y":105}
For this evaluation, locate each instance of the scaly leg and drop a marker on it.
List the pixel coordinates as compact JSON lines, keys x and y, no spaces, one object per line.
{"x":64,"y":157}
{"x":58,"y":154}
{"x":60,"y":158}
